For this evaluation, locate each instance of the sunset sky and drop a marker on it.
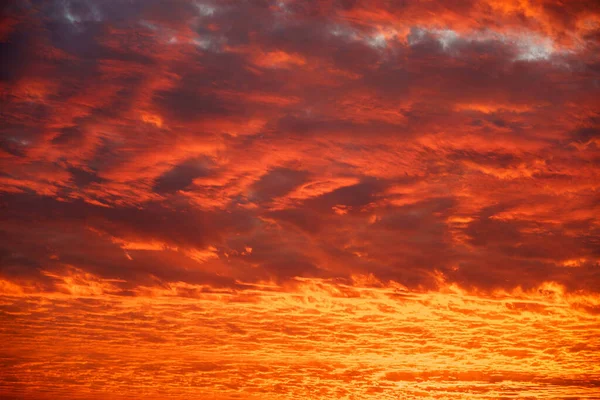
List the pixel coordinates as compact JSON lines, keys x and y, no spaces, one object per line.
{"x":279,"y":199}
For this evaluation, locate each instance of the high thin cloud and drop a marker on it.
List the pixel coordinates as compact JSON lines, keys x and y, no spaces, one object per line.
{"x":221,"y":150}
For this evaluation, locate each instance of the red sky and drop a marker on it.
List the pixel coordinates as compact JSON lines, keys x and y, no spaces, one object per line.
{"x":336,"y":199}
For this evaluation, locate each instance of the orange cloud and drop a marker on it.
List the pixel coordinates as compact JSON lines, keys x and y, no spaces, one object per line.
{"x":316,"y":199}
{"x":279,"y":59}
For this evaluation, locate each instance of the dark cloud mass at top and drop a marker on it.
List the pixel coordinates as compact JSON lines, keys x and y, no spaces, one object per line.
{"x":431,"y":139}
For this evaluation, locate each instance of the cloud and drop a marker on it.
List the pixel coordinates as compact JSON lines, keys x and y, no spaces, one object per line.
{"x":316,"y":199}
{"x":182,"y":175}
{"x":276,"y":183}
{"x":411,"y":141}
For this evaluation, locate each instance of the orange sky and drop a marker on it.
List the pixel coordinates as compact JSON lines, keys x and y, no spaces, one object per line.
{"x":335,"y":199}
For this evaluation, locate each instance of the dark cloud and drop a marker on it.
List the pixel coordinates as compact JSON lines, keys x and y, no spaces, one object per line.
{"x":182,"y":175}
{"x":189,"y":102}
{"x":349,"y":136}
{"x":586,"y":134}
{"x":304,"y":219}
{"x":82,"y":177}
{"x":276,"y":183}
{"x":68,"y":135}
{"x":359,"y":195}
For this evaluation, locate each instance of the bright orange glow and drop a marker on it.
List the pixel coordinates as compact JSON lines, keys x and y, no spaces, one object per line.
{"x":279,"y":59}
{"x":326,"y":340}
{"x":153,"y":119}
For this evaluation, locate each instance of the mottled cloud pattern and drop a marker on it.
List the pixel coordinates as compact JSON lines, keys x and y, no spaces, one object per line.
{"x":254,"y":180}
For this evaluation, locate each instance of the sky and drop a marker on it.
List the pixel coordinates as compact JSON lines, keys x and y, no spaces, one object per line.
{"x":279,"y":199}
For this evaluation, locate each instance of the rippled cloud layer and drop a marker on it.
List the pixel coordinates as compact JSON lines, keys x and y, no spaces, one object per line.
{"x":317,"y":339}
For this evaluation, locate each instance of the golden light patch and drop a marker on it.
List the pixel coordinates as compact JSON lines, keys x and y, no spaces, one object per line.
{"x":34,"y":89}
{"x":493,"y":108}
{"x":203,"y":255}
{"x":574,"y":262}
{"x":279,"y":59}
{"x":152,"y":119}
{"x":460,"y":220}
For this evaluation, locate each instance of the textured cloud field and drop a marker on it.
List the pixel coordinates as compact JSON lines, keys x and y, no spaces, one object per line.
{"x":320,"y":340}
{"x":299,"y":199}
